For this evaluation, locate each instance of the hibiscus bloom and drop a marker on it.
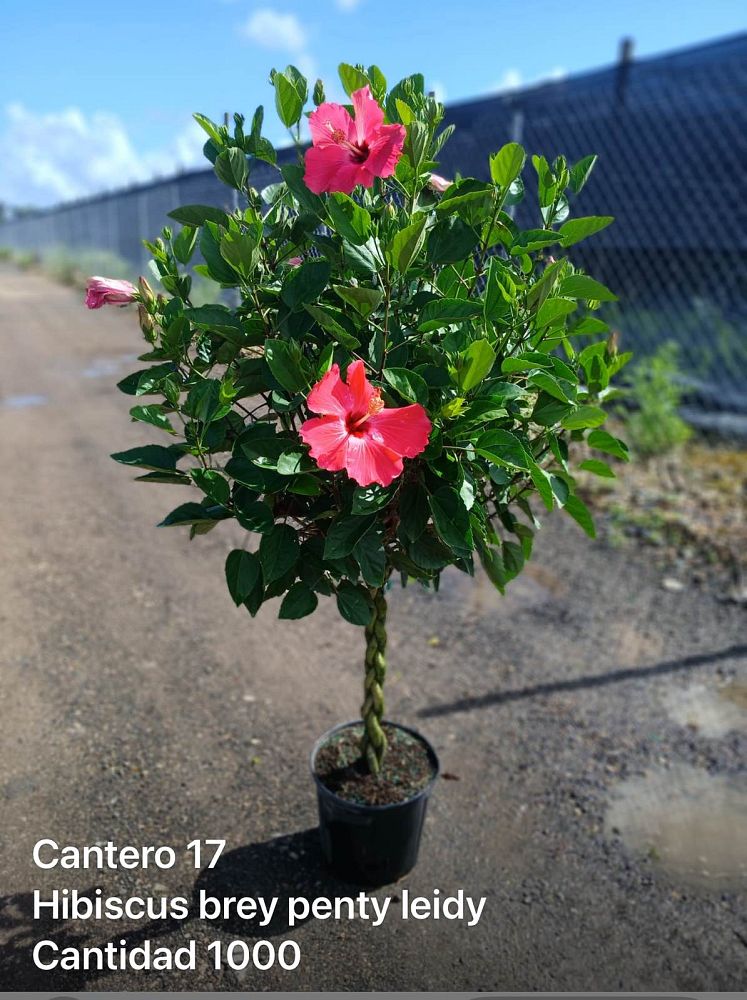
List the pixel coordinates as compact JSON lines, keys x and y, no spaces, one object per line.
{"x":348,"y":152}
{"x":356,"y":433}
{"x":438,"y":183}
{"x":109,"y":291}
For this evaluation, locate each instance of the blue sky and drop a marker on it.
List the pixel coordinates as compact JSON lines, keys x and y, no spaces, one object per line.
{"x":93,"y":96}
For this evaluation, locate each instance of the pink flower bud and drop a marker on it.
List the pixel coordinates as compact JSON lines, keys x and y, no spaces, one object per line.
{"x":295,"y":261}
{"x":109,"y":291}
{"x":438,"y":183}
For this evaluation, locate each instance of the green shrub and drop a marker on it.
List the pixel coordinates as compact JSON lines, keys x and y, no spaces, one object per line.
{"x":656,"y":427}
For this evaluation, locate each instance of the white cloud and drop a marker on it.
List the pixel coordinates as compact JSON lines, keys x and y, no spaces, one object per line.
{"x":512,"y":79}
{"x":273,"y":30}
{"x":283,"y":33}
{"x":439,"y":91}
{"x":348,"y":5}
{"x":59,"y":155}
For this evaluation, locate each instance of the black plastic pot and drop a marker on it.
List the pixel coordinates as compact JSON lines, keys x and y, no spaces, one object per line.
{"x":371,"y":845}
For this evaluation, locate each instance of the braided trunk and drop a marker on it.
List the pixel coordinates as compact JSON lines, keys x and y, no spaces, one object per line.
{"x":374,"y":739}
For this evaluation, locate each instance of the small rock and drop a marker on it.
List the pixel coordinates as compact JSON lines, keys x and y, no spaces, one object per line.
{"x":672,"y":584}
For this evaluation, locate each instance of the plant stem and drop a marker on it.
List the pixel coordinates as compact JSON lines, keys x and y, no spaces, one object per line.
{"x":373,"y":745}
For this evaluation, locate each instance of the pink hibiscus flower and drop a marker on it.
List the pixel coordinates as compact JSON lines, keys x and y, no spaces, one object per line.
{"x":356,"y":433}
{"x":109,"y":291}
{"x":348,"y":152}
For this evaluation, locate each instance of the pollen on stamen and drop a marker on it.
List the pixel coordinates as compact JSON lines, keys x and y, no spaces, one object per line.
{"x":376,"y":403}
{"x":336,"y":134}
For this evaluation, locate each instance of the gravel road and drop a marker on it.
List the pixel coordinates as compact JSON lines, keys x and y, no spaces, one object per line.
{"x":595,"y":722}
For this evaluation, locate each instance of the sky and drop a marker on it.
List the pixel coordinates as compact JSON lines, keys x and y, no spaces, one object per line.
{"x":95,"y":95}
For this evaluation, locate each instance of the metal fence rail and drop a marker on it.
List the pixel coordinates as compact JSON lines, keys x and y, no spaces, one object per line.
{"x":671,"y":134}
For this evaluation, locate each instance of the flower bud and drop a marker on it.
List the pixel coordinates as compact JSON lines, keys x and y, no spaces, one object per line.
{"x":438,"y":184}
{"x":146,"y":292}
{"x":109,"y":291}
{"x":146,"y":323}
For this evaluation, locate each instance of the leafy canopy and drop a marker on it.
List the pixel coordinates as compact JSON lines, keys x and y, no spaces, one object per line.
{"x":447,"y":302}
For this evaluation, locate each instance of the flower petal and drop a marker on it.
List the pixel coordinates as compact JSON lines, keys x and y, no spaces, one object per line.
{"x":404,"y":430}
{"x":368,"y":115}
{"x":331,"y":168}
{"x":385,"y":149}
{"x":330,"y":395}
{"x":327,"y":118}
{"x":361,"y":390}
{"x":368,"y":461}
{"x":326,"y":438}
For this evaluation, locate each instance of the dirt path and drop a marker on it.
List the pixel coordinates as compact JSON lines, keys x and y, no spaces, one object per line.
{"x":137,"y":705}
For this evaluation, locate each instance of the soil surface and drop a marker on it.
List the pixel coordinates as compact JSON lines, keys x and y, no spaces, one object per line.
{"x":406,"y":770}
{"x":595,"y":719}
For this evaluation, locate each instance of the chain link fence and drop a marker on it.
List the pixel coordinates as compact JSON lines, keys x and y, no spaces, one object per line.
{"x":671,"y":134}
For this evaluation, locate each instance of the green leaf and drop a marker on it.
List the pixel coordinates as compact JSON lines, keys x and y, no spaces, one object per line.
{"x":206,"y":401}
{"x":351,"y":78}
{"x":174,"y":478}
{"x":406,"y":244}
{"x":284,"y":360}
{"x":219,"y":270}
{"x":507,"y":164}
{"x":558,"y":388}
{"x":298,"y":602}
{"x":305,"y":283}
{"x":408,"y":384}
{"x":476,"y":363}
{"x":533,"y":239}
{"x":368,"y":499}
{"x":241,"y":251}
{"x":553,"y":310}
{"x":195,"y":514}
{"x":147,"y":380}
{"x":289,"y":98}
{"x":212,"y":484}
{"x":584,"y":416}
{"x":503,"y":448}
{"x":580,"y":172}
{"x":597,"y":467}
{"x":354,"y":603}
{"x":231,"y":168}
{"x":349,"y":219}
{"x":580,"y":514}
{"x":242,"y":573}
{"x":581,"y":286}
{"x":451,"y":520}
{"x":541,"y":482}
{"x":153,"y":414}
{"x":210,"y":127}
{"x":148,"y":456}
{"x":576,"y":230}
{"x":363,"y":300}
{"x":198,"y":215}
{"x":605,"y":442}
{"x":278,"y":552}
{"x":548,"y":410}
{"x":252,"y":514}
{"x":492,"y":563}
{"x":370,"y":555}
{"x":344,"y":534}
{"x":413,"y":510}
{"x":332,"y":320}
{"x":213,"y":317}
{"x":439,"y":313}
{"x":450,"y":241}
{"x":184,"y":244}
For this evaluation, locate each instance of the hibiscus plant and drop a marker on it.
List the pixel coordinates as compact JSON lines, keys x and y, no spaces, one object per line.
{"x":394,"y":370}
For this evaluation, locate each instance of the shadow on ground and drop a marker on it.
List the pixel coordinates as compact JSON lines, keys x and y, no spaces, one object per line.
{"x":282,"y":867}
{"x":585,"y":683}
